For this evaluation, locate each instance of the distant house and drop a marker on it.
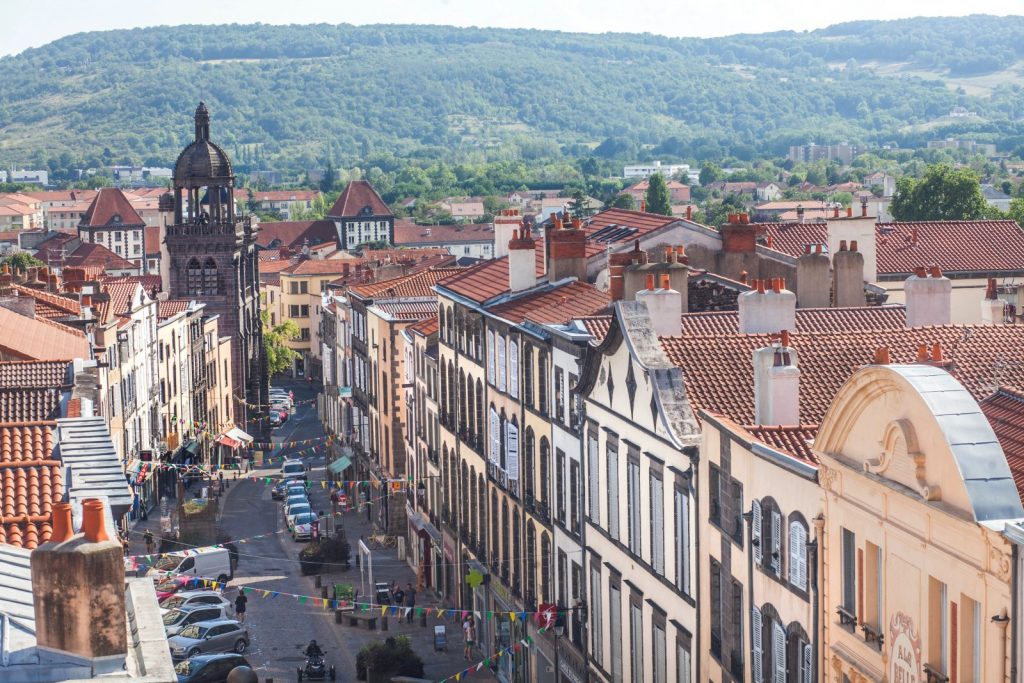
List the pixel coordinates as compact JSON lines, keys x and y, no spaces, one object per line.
{"x":647,"y":170}
{"x":475,"y":240}
{"x":678,"y":192}
{"x":287,"y":203}
{"x":464,"y":211}
{"x":996,"y":198}
{"x":112,"y":221}
{"x":882,"y":180}
{"x":767,"y":192}
{"x":361,"y":216}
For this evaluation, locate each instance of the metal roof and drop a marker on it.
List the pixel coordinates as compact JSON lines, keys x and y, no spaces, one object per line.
{"x":86,"y":450}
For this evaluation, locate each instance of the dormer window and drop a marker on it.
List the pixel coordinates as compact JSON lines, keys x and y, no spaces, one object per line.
{"x":116,"y":218}
{"x":366,"y":211}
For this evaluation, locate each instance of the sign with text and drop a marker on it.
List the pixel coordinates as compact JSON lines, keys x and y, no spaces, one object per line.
{"x":905,"y":664}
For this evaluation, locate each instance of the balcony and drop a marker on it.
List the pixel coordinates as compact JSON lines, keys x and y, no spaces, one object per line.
{"x":873,"y":635}
{"x":542,"y":512}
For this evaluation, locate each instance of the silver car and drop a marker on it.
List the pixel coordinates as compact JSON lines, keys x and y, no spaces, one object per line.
{"x":221,"y":635}
{"x":180,"y":617}
{"x":189,"y":598}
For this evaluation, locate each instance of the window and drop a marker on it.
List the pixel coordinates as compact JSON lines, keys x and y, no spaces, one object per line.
{"x":513,"y":369}
{"x":560,"y":485}
{"x":776,"y":543}
{"x":304,"y":334}
{"x":873,"y":586}
{"x":633,"y":505}
{"x":660,"y":674}
{"x":574,"y":496}
{"x":682,"y":663}
{"x":494,"y":454}
{"x":612,"y":456}
{"x":528,"y":375}
{"x":559,"y":391}
{"x":849,"y":541}
{"x":490,"y":357}
{"x":194,"y":277}
{"x":778,"y":652}
{"x":716,"y":610}
{"x":303,"y":287}
{"x":293,"y":311}
{"x":542,"y":382}
{"x":756,"y":522}
{"x":502,"y":367}
{"x":798,"y":555}
{"x":657,"y":525}
{"x":210,"y":277}
{"x":615,"y":630}
{"x":682,"y":540}
{"x":593,"y":476}
{"x":970,"y":639}
{"x":293,"y":287}
{"x":938,"y":626}
{"x":636,"y":636}
{"x":597,"y":619}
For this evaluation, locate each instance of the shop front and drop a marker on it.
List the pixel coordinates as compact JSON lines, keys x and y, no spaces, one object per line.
{"x":507,"y":630}
{"x":144,"y":480}
{"x":425,"y":549}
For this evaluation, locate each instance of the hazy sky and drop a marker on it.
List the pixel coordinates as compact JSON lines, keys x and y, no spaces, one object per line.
{"x":35,"y":23}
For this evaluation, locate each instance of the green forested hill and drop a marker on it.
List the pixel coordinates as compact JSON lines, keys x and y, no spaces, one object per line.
{"x":289,"y":96}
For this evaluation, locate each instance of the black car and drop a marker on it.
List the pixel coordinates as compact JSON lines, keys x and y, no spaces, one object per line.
{"x":208,"y":668}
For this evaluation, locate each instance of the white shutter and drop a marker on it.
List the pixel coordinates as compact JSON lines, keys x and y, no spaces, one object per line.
{"x":512,"y":452}
{"x":501,"y":362}
{"x":757,"y":654}
{"x":776,"y":543}
{"x":593,"y":472}
{"x":495,"y":436}
{"x":755,"y":532}
{"x":513,"y":369}
{"x":490,"y":356}
{"x":798,"y":555}
{"x":779,"y":652}
{"x":808,"y":671}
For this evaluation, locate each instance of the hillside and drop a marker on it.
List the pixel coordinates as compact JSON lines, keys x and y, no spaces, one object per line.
{"x":287,"y":96}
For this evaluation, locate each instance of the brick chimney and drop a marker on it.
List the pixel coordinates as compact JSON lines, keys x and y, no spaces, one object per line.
{"x":992,"y":307}
{"x":618,"y":264}
{"x":567,"y":251}
{"x":812,"y":278}
{"x":505,"y":223}
{"x":78,"y":591}
{"x":929,"y":296}
{"x":848,"y":276}
{"x":767,"y":308}
{"x":664,"y":305}
{"x":738,"y":235}
{"x":776,"y":383}
{"x":522,"y":261}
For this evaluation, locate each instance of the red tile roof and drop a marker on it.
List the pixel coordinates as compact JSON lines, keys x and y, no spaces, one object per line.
{"x":486,"y":280}
{"x":553,"y":306}
{"x":281,"y":195}
{"x":29,"y":405}
{"x":33,"y":373}
{"x":39,"y":339}
{"x":50,"y":306}
{"x":30,"y":482}
{"x":416,"y":285}
{"x":358,"y":195}
{"x":121,"y":293}
{"x":425,"y":327}
{"x":597,"y":326}
{"x":148,"y":282}
{"x":718,"y":372}
{"x":1005,"y":412}
{"x":294,"y":234}
{"x":408,"y":310}
{"x":408,"y":233}
{"x":92,"y":254}
{"x":807,"y":320}
{"x":168,"y":308}
{"x":788,"y":439}
{"x":628,"y":226}
{"x":320,"y":266}
{"x":109,"y":203}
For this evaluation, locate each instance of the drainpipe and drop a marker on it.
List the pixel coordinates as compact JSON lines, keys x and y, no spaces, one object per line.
{"x":748,"y":517}
{"x":1014,"y":611}
{"x":693,"y":452}
{"x":819,"y":533}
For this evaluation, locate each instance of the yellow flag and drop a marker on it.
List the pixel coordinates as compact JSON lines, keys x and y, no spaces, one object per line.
{"x":512,"y":616}
{"x":383,"y":610}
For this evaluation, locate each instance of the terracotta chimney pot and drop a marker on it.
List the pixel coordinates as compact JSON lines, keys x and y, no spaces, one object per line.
{"x":936,"y":271}
{"x":689,"y":211}
{"x":849,"y":212}
{"x":666,"y":281}
{"x":920,"y":271}
{"x":743,"y":276}
{"x":776,"y":284}
{"x":937,"y":352}
{"x":842,"y":245}
{"x":759,"y":286}
{"x":93,"y":525}
{"x":922,"y":353}
{"x":785,"y":338}
{"x":882,"y":355}
{"x":853,"y":245}
{"x":61,"y":519}
{"x":650,"y":282}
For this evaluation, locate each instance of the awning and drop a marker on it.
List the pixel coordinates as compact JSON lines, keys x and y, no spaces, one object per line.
{"x":238,"y":435}
{"x":225,"y":440}
{"x":340,"y":465}
{"x":191,"y":446}
{"x":139,"y":471}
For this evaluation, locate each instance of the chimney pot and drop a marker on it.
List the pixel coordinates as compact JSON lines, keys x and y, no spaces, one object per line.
{"x":849,"y":212}
{"x":990,"y":291}
{"x":770,"y":242}
{"x":776,"y":284}
{"x":882,"y":355}
{"x":936,"y":271}
{"x":689,"y":211}
{"x":93,"y":525}
{"x":61,"y":519}
{"x":920,"y":271}
{"x":807,"y":249}
{"x":666,"y":282}
{"x":922,"y":353}
{"x":744,"y":218}
{"x":937,"y":352}
{"x":835,"y":211}
{"x":743,"y":276}
{"x":650,"y":282}
{"x":853,"y":245}
{"x":842,"y":245}
{"x":785,"y":339}
{"x":759,"y":285}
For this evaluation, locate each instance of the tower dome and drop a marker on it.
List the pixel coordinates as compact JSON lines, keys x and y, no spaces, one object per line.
{"x":202,"y":162}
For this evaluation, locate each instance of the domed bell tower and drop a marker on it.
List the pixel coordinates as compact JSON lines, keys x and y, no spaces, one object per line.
{"x":213,"y":259}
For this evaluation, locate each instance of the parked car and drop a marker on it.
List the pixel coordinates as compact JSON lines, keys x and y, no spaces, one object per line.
{"x":294,"y":469}
{"x":294,"y":511}
{"x":217,"y":635}
{"x":302,"y":527}
{"x":208,"y":668}
{"x":166,"y":587}
{"x":297,"y":499}
{"x":280,"y":490}
{"x":180,"y":617}
{"x":189,"y":598}
{"x":275,"y":418}
{"x":208,"y":563}
{"x":298,"y":489}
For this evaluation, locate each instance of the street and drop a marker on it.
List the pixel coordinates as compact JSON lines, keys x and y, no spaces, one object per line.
{"x":281,"y":627}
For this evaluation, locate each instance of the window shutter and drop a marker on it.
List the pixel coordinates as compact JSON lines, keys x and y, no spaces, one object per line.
{"x":757,"y":656}
{"x":490,"y":356}
{"x":593,"y":472}
{"x":495,"y":436}
{"x":798,"y":555}
{"x":776,"y":543}
{"x":512,"y":451}
{"x":808,"y":671}
{"x":513,"y":369}
{"x":779,"y":652}
{"x":501,"y":363}
{"x":755,"y":532}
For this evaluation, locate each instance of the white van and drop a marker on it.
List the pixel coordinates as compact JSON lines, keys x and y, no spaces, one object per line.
{"x":293,"y":469}
{"x":206,"y":563}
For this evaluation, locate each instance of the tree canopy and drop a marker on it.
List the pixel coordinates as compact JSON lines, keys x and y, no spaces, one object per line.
{"x":943,"y":194}
{"x":279,"y":355}
{"x":658,"y":199}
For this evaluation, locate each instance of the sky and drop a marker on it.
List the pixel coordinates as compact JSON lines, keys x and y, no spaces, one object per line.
{"x":32,"y":24}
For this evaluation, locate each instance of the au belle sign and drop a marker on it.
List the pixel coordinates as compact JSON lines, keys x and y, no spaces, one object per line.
{"x":905,"y":660}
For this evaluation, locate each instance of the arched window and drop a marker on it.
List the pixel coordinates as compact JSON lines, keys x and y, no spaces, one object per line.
{"x":545,"y":567}
{"x":464,"y":499}
{"x":463,"y":429}
{"x":516,"y":550}
{"x":194,"y":278}
{"x":505,"y":528}
{"x":545,"y":468}
{"x":479,"y":429}
{"x":469,"y":420}
{"x":771,"y":539}
{"x":472,"y":521}
{"x":481,"y":511}
{"x":210,"y":285}
{"x":528,"y":456}
{"x":799,"y":654}
{"x":531,"y":565}
{"x":495,"y":521}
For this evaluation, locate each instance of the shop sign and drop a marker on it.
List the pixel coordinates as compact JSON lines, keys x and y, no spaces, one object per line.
{"x":905,"y":665}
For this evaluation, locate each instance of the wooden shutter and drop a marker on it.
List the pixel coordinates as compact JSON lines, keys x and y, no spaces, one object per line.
{"x":798,"y":555}
{"x":757,"y":652}
{"x":501,"y":362}
{"x":776,"y":558}
{"x":778,"y":652}
{"x":755,"y":531}
{"x":512,"y":451}
{"x":513,"y":369}
{"x":490,"y":356}
{"x":495,"y":436}
{"x":808,"y":664}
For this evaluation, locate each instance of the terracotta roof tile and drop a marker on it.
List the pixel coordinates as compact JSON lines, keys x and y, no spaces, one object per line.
{"x":293,"y":234}
{"x":416,"y":285}
{"x":484,"y":281}
{"x":280,"y":195}
{"x":408,"y":310}
{"x":554,"y":306}
{"x":30,"y":482}
{"x":168,"y":308}
{"x":33,"y":373}
{"x":597,"y":326}
{"x":29,"y":405}
{"x":319,"y":267}
{"x":408,"y":233}
{"x":110,"y":202}
{"x":92,"y":254}
{"x":425,"y":327}
{"x":148,"y":282}
{"x":39,"y":338}
{"x":807,"y":320}
{"x":1005,"y":412}
{"x":50,"y":306}
{"x":151,"y":239}
{"x":356,"y":196}
{"x":617,"y":226}
{"x":788,"y":439}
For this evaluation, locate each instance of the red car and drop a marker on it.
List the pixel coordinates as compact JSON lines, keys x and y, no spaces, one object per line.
{"x":171,"y":585}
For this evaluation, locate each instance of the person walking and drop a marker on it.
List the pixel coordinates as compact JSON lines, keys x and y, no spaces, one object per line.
{"x":148,"y":538}
{"x":240,"y":601}
{"x":469,"y":632}
{"x":410,"y":602}
{"x":398,"y":595}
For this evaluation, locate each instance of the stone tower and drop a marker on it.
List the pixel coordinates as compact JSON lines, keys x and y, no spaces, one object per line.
{"x":213,"y":259}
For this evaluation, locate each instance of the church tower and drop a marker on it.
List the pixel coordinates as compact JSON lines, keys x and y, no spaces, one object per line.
{"x":213,"y":259}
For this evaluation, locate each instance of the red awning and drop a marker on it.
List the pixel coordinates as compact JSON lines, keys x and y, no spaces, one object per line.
{"x":226,"y":440}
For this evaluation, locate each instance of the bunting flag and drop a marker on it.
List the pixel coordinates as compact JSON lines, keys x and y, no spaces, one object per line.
{"x":196,"y":550}
{"x":486,"y":662}
{"x":257,"y":406}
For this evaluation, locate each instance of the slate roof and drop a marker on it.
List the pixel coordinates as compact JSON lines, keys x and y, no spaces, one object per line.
{"x":30,"y":482}
{"x":1005,"y":412}
{"x":553,"y":306}
{"x":39,"y":338}
{"x":108,"y":203}
{"x":357,"y":195}
{"x":419,"y":284}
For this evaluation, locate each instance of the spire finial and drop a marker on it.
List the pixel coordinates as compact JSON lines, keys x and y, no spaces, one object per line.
{"x":202,"y":122}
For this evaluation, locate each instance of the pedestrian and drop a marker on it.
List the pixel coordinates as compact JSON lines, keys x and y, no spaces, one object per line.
{"x":410,"y":602}
{"x":334,"y":502}
{"x":240,"y":601}
{"x":398,"y":595}
{"x":469,"y":632}
{"x":148,"y":537}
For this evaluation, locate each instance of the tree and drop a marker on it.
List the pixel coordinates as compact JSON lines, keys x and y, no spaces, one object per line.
{"x":330,"y":178}
{"x":709,"y":174}
{"x":378,"y":661}
{"x":658,"y":199}
{"x":279,"y":356}
{"x":623,"y":201}
{"x":21,"y":261}
{"x":943,"y":194}
{"x":1016,"y":211}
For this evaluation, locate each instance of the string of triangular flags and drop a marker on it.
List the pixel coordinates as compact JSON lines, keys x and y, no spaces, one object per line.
{"x":197,"y":550}
{"x":256,"y":406}
{"x":506,"y":651}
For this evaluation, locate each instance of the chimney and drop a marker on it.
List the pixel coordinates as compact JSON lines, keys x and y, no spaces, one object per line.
{"x":835,"y":211}
{"x":848,"y":276}
{"x":567,"y":252}
{"x":505,"y":223}
{"x":664,"y":305}
{"x":78,"y":591}
{"x":643,"y":205}
{"x":522,"y":263}
{"x":882,"y":356}
{"x":767,"y":307}
{"x":849,"y":212}
{"x":738,"y":237}
{"x":621,"y":276}
{"x":800,"y":213}
{"x":689,"y":212}
{"x":777,"y":383}
{"x":864,"y":206}
{"x":812,"y":278}
{"x":929,"y":297}
{"x":992,"y":307}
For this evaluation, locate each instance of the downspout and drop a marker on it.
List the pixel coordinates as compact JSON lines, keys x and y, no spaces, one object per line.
{"x":819,"y":534}
{"x":693,"y":452}
{"x":748,"y":517}
{"x":1014,"y":611}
